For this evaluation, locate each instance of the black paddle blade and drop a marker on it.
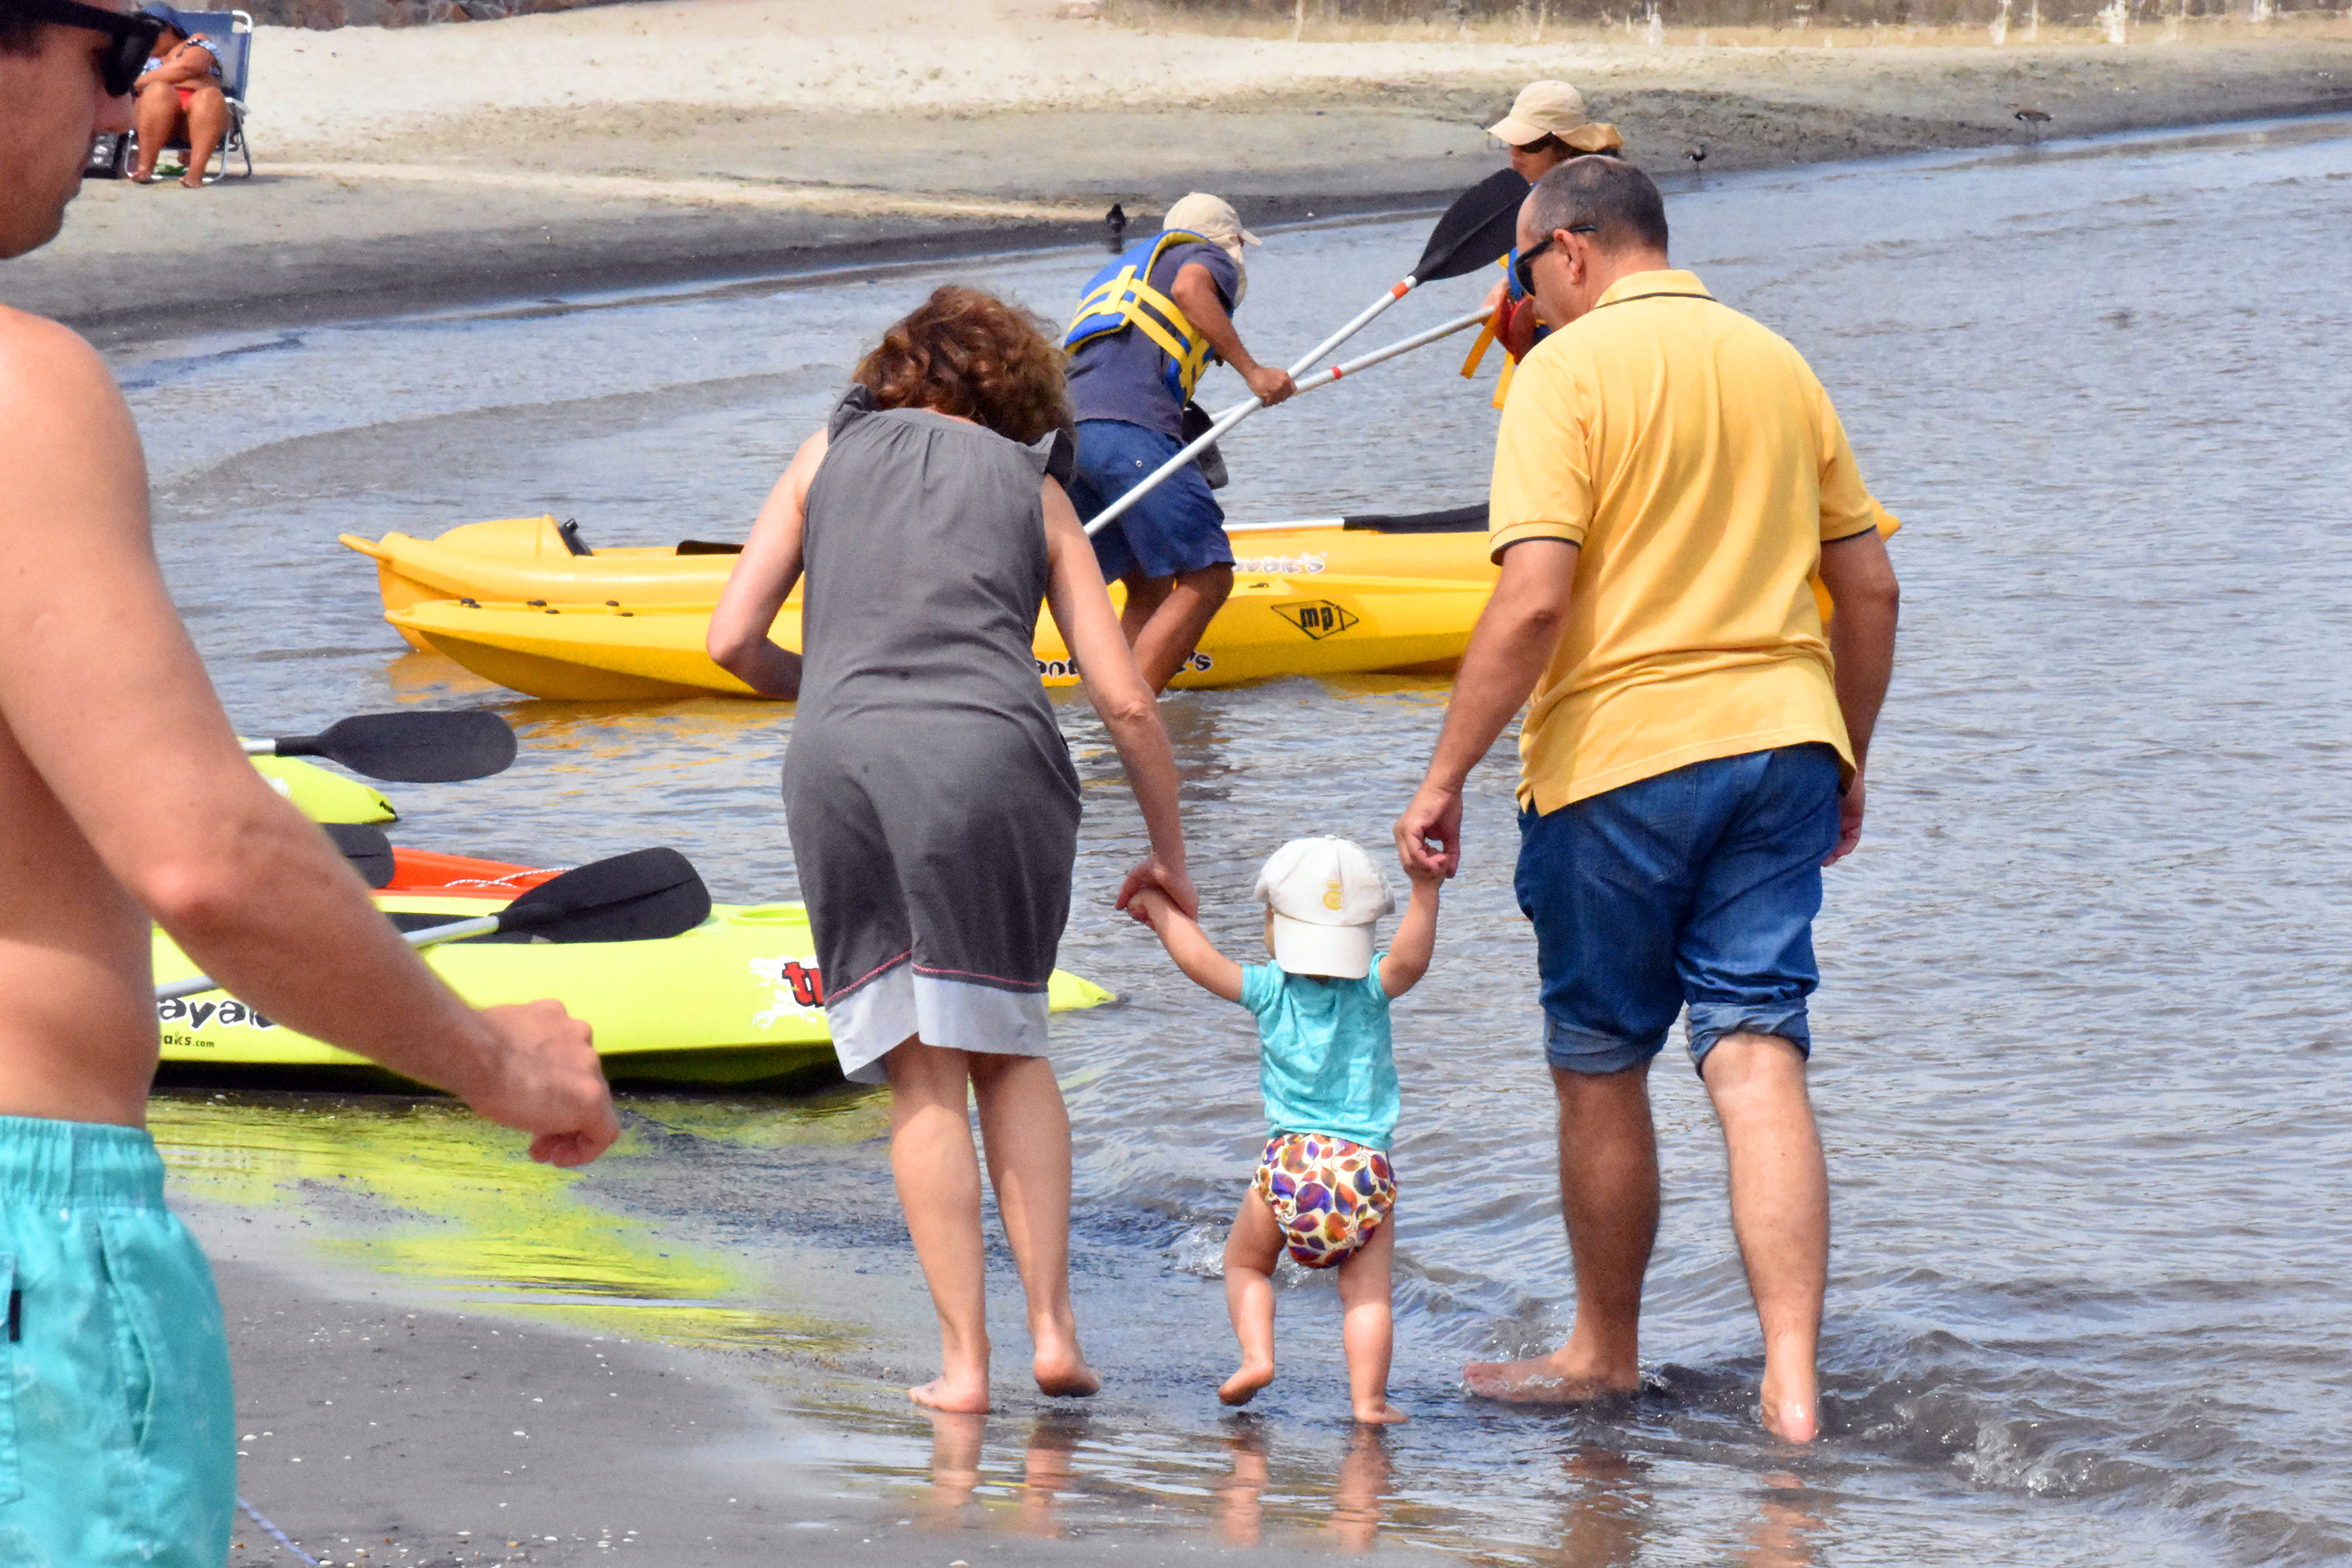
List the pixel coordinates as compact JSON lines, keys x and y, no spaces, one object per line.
{"x":412,"y":747}
{"x":365,"y":846}
{"x":1477,"y":231}
{"x":643,"y":895}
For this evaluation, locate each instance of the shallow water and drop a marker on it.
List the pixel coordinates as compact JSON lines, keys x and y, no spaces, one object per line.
{"x":2079,"y":1061}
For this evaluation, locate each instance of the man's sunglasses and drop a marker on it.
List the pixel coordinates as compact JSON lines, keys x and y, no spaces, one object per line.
{"x":132,"y":36}
{"x":1523,"y":268}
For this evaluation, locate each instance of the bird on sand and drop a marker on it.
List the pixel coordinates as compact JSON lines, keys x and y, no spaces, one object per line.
{"x":1114,"y":226}
{"x":2034,"y":119}
{"x":1697,"y":155}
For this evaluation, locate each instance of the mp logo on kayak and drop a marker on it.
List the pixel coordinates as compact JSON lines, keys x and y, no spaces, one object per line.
{"x":230,"y":1015}
{"x":796,"y":988}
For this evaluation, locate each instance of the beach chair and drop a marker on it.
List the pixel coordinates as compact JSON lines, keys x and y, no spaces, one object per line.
{"x":233,"y":31}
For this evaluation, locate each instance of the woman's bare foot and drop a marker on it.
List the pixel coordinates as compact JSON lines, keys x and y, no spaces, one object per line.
{"x":1062,"y":1370}
{"x":1244,"y":1385}
{"x":1790,"y":1405}
{"x":1554,"y":1379}
{"x":193,"y":179}
{"x":964,"y":1394}
{"x":1381,"y":1415}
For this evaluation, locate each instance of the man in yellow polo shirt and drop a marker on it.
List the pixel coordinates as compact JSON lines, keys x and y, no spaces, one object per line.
{"x":1668,"y":477}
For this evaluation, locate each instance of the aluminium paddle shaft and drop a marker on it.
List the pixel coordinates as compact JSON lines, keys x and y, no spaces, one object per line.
{"x":1480,"y":225}
{"x":1239,"y":412}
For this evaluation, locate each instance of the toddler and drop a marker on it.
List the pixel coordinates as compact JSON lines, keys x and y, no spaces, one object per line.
{"x":1325,"y":1189}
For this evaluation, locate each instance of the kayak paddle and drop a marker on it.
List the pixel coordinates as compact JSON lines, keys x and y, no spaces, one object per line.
{"x":1241,"y":411}
{"x":414,"y":747}
{"x":645,"y":895}
{"x":1481,"y":226}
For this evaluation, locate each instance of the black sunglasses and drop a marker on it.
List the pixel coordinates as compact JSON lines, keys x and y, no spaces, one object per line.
{"x":1522,"y":268}
{"x":133,"y":36}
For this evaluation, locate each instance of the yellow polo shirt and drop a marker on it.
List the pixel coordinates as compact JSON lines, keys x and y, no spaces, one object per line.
{"x":1695,"y":459}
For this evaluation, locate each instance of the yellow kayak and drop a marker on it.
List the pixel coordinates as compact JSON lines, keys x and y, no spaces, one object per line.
{"x":1272,"y":626}
{"x":527,"y":558}
{"x":735,"y":1000}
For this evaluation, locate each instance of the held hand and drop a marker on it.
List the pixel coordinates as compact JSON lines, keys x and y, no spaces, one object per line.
{"x":548,"y":1082}
{"x":1271,"y":382}
{"x":1849,"y":822}
{"x":1150,"y":905}
{"x":1498,"y":297}
{"x":1152,"y":872}
{"x":1429,"y":834}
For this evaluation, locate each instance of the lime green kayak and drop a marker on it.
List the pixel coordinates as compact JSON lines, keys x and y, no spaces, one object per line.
{"x":738,"y":1000}
{"x":323,"y":796}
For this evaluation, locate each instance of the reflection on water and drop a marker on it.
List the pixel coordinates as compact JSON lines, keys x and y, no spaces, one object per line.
{"x":2078,"y":1053}
{"x":422,"y":1190}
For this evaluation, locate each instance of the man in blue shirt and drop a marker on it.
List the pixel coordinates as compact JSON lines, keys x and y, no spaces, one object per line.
{"x":1146,"y":328}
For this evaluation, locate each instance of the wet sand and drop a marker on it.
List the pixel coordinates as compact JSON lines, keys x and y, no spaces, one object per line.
{"x":379,"y":1429}
{"x":643,"y":144}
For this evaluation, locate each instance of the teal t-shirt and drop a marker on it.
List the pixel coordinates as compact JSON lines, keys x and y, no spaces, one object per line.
{"x":1325,"y":1063}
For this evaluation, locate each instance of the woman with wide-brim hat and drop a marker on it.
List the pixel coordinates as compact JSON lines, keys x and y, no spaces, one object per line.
{"x":1547,"y":126}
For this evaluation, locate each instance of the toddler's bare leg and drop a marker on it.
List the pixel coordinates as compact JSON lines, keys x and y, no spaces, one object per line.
{"x":1368,"y":1328}
{"x":1251,"y":1252}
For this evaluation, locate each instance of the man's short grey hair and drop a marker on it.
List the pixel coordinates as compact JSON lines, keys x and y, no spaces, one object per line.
{"x":1619,"y":201}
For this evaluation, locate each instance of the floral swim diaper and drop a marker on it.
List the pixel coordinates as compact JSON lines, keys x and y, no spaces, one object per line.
{"x":1328,"y":1195}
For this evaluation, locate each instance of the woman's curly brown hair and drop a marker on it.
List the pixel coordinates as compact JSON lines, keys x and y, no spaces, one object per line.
{"x":964,"y":352}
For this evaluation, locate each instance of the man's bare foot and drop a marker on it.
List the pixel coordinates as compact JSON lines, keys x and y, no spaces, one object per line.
{"x":1552,"y":1379}
{"x":1381,"y":1415}
{"x":1790,"y":1405}
{"x":1062,"y":1370}
{"x":193,"y":179}
{"x":1244,"y":1385}
{"x":963,"y":1395}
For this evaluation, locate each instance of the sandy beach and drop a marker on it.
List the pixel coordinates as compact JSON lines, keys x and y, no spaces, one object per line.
{"x":629,"y":145}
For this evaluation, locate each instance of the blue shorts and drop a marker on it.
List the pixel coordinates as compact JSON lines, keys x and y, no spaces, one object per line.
{"x":1178,"y":528}
{"x":1695,"y":887}
{"x":116,"y":1438}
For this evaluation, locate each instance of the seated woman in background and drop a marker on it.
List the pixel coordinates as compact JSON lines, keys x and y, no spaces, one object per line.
{"x":931,"y":798}
{"x":179,"y":96}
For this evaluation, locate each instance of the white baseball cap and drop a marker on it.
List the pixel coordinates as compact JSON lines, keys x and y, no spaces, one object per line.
{"x":1325,"y":894}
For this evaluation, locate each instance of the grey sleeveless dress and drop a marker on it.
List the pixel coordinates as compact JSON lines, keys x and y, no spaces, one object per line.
{"x":930,"y":796}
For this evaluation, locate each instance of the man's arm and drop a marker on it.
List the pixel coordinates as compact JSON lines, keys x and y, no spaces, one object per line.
{"x":105,"y":696}
{"x":1861,"y":581}
{"x":1509,"y":648}
{"x":1195,"y":293}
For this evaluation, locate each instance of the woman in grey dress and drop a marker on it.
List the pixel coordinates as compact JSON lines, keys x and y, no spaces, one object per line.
{"x":930,"y":796}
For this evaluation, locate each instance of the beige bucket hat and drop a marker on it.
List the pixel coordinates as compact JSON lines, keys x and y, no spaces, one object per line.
{"x":1554,"y":109}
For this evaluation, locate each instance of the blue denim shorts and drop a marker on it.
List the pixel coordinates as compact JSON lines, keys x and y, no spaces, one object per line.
{"x":1695,"y":887}
{"x":1176,"y":528}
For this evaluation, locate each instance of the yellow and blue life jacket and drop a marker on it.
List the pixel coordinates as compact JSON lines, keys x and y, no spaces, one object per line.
{"x":1121,"y":296}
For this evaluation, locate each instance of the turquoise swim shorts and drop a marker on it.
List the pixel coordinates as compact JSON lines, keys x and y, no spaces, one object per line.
{"x":116,"y":1436}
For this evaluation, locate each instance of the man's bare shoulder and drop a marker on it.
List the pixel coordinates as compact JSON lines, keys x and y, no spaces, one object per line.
{"x":37,"y":351}
{"x":64,"y":427}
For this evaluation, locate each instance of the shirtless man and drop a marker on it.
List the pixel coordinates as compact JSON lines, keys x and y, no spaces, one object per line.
{"x":123,"y":795}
